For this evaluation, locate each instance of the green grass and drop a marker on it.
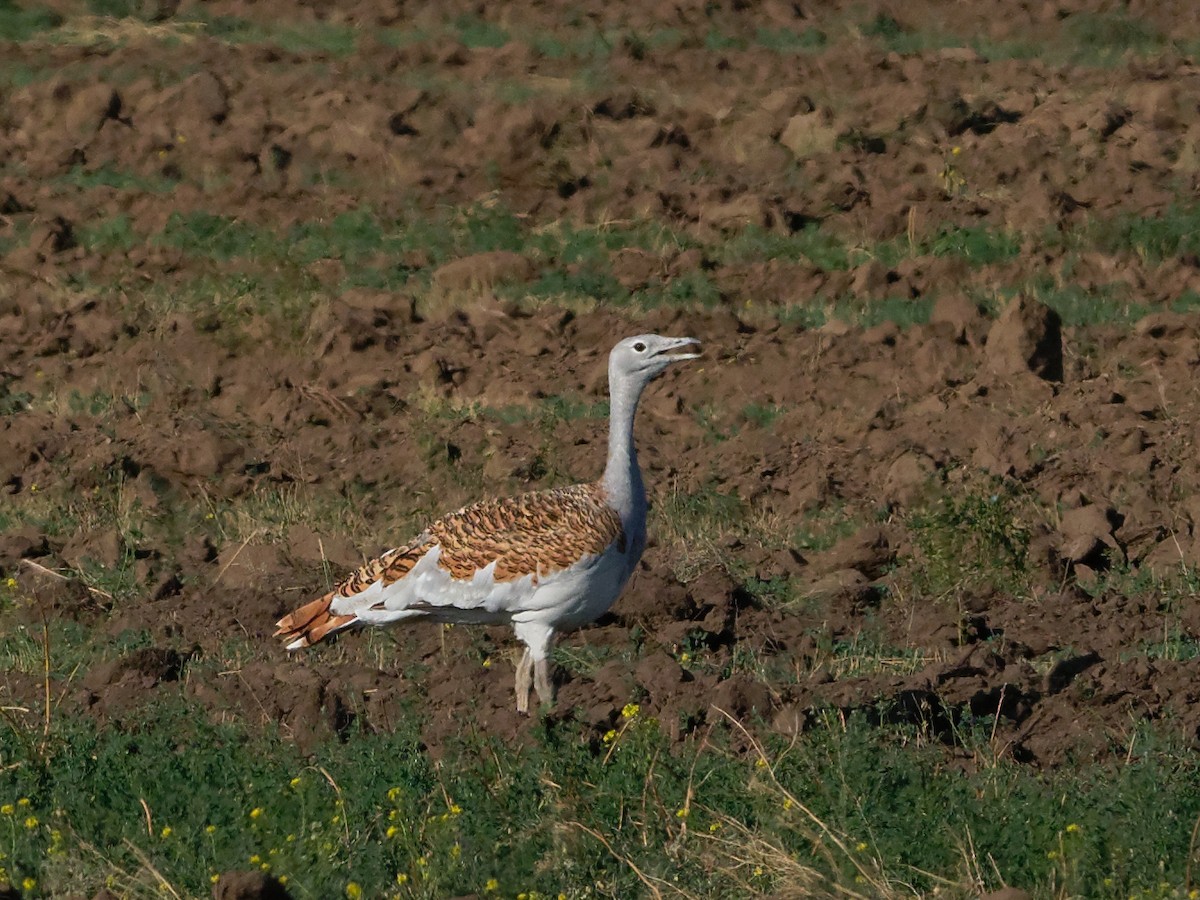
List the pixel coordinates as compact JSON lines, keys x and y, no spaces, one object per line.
{"x":107,"y":177}
{"x":166,"y":794}
{"x":1098,"y":40}
{"x":21,"y":22}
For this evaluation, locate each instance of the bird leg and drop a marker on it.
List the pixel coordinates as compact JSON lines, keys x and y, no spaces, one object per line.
{"x":541,"y":682}
{"x":524,"y":681}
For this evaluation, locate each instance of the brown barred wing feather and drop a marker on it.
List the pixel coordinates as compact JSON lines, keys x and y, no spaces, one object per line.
{"x":535,"y":534}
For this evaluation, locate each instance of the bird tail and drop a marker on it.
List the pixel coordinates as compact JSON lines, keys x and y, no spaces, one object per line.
{"x":311,"y":623}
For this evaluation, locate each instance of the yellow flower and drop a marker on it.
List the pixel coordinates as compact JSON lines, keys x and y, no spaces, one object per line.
{"x":256,"y":812}
{"x":11,"y":583}
{"x":210,"y":829}
{"x":295,"y":782}
{"x":214,"y":877}
{"x":401,"y":878}
{"x":392,"y":831}
{"x":422,"y":861}
{"x":23,"y":802}
{"x":8,"y":809}
{"x":353,"y":891}
{"x":1053,"y":854}
{"x":166,"y":832}
{"x":760,"y":763}
{"x":861,"y":846}
{"x":29,"y":884}
{"x":455,"y":809}
{"x":630,"y":710}
{"x":282,"y":879}
{"x":758,"y":870}
{"x":714,"y":827}
{"x":955,"y":151}
{"x":787,"y":803}
{"x":255,"y":859}
{"x":681,"y":813}
{"x":492,"y":885}
{"x":455,"y":851}
{"x":1072,"y":828}
{"x":394,"y":794}
{"x":266,"y":866}
{"x":610,"y":736}
{"x":31,"y":822}
{"x":487,"y":663}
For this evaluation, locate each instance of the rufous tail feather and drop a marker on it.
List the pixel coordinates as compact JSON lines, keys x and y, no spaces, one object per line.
{"x":311,"y":623}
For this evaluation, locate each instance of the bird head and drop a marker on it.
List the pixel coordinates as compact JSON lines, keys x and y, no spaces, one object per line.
{"x":644,"y":356}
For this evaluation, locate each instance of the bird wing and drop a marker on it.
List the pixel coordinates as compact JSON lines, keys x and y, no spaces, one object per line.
{"x":471,"y":565}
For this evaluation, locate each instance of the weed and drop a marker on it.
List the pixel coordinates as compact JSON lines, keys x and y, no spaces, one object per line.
{"x":969,"y":541}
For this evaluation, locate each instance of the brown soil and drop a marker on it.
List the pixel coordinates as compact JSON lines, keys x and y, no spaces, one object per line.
{"x":1093,"y":429}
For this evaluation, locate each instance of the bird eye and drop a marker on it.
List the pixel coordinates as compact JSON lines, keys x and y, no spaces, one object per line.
{"x":639,"y":347}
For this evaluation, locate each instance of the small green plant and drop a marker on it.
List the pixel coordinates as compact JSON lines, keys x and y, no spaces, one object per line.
{"x":968,"y":541}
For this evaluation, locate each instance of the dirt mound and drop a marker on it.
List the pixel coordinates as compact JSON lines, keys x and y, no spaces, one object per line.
{"x":952,"y":521}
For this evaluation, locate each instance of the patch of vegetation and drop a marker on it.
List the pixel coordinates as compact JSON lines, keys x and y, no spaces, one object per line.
{"x":108,"y":177}
{"x":21,"y":22}
{"x":810,"y":243}
{"x":316,"y":37}
{"x":1153,"y":238}
{"x":969,"y":541}
{"x":477,"y":32}
{"x":168,"y":797}
{"x":1079,"y":306}
{"x":1104,"y":38}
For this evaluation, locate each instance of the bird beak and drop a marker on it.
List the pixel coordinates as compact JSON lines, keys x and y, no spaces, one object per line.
{"x":682,"y":342}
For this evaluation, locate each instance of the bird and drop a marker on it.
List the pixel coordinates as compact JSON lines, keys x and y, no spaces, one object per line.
{"x":543,"y":562}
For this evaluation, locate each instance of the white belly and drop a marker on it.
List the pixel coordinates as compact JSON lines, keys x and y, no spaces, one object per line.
{"x":562,"y":600}
{"x":580,"y":594}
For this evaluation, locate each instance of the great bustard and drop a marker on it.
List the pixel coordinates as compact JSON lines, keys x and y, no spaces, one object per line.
{"x":545,"y":561}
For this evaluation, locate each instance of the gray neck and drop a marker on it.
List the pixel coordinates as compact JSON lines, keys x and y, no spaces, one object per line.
{"x":622,"y":476}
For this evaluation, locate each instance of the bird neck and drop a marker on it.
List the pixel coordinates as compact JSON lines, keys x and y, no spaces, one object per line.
{"x":622,"y":475}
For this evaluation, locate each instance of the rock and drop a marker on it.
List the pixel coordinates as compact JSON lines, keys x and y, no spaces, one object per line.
{"x":103,"y":548}
{"x":89,"y":109}
{"x":871,"y":280}
{"x":960,"y":316}
{"x":204,"y":98}
{"x":868,"y":550}
{"x":1026,"y":338}
{"x":203,"y":455}
{"x":741,"y":697}
{"x":808,"y":135}
{"x":248,"y":886}
{"x":907,"y":477}
{"x":1086,"y":534}
{"x":660,"y":674}
{"x":849,"y":583}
